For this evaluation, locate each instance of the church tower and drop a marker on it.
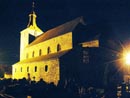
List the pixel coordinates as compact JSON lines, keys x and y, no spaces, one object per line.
{"x":32,"y":30}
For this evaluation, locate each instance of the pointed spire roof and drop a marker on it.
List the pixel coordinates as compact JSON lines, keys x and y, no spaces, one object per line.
{"x":32,"y":17}
{"x":32,"y":23}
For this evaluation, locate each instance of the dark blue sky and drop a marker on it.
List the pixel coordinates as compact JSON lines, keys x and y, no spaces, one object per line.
{"x":50,"y":13}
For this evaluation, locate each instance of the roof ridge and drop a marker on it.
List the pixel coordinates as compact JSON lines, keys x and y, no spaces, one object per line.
{"x":59,"y":30}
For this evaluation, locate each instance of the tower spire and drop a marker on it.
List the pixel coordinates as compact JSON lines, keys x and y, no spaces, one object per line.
{"x":32,"y":25}
{"x":33,"y":6}
{"x":32,"y":17}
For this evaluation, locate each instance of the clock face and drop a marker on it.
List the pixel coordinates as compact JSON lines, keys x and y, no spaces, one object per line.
{"x":33,"y":32}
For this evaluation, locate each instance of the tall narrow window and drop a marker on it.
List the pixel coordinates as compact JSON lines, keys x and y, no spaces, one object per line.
{"x":48,"y":50}
{"x":33,"y":54}
{"x":27,"y":69}
{"x":40,"y":52}
{"x":58,"y":47}
{"x":35,"y":69}
{"x":46,"y":68}
{"x":21,"y":69}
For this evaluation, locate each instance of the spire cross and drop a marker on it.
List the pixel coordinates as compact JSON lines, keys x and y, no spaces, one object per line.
{"x":33,"y":5}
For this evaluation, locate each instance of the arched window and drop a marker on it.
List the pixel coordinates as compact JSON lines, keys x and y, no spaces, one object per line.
{"x":21,"y":69}
{"x":35,"y":69}
{"x":48,"y":50}
{"x":27,"y":69}
{"x":58,"y":47}
{"x":46,"y":68}
{"x":40,"y":52}
{"x":33,"y":54}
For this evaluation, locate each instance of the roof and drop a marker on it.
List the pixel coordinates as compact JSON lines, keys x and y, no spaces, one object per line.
{"x":44,"y":57}
{"x":62,"y":29}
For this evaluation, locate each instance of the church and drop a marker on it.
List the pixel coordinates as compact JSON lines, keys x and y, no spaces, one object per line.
{"x":62,"y":53}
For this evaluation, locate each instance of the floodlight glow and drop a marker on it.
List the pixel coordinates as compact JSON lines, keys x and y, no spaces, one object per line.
{"x":127,"y":58}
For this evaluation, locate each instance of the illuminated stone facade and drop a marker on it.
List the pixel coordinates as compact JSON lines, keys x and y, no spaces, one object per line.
{"x":68,"y":52}
{"x":39,"y":59}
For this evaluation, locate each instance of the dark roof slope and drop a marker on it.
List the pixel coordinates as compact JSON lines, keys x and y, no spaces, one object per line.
{"x":62,"y":29}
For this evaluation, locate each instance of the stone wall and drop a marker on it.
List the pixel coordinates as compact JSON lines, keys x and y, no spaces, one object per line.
{"x":65,"y":41}
{"x":47,"y":70}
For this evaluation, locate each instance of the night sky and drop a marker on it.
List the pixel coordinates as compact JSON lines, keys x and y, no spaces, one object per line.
{"x":51,"y":13}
